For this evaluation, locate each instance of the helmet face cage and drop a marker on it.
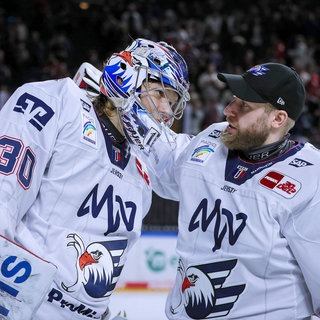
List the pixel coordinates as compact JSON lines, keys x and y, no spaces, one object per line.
{"x":145,"y":61}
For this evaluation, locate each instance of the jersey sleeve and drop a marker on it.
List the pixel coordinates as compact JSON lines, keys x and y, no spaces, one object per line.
{"x":157,"y":145}
{"x":164,"y":182}
{"x":303,"y":236}
{"x":29,"y":124}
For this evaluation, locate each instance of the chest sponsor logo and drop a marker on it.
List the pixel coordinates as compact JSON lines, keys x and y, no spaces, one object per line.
{"x":296,"y":162}
{"x":281,"y":184}
{"x":202,"y":152}
{"x":89,"y":130}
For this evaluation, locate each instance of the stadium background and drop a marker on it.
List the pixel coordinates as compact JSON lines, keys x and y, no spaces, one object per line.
{"x":43,"y":39}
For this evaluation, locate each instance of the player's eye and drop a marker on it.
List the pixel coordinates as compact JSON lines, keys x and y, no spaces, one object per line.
{"x":160,"y":93}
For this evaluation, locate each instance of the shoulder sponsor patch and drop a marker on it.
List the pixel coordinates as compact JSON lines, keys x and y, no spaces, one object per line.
{"x":215,"y":134}
{"x":281,"y":184}
{"x":202,"y":152}
{"x":86,"y":106}
{"x":89,"y":130}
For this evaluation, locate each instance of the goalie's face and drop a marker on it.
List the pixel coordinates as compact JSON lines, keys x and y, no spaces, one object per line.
{"x":160,"y":100}
{"x":154,"y":74}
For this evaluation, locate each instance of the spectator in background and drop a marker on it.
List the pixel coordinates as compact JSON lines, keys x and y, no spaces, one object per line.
{"x":243,"y":33}
{"x":213,"y":111}
{"x":193,"y":115}
{"x":5,"y":79}
{"x":4,"y":94}
{"x":208,"y":82}
{"x":131,"y":20}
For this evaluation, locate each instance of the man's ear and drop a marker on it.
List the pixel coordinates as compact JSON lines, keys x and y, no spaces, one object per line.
{"x":280,"y":118}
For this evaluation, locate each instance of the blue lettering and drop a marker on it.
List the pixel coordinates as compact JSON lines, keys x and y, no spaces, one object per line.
{"x":4,"y":311}
{"x":12,"y":291}
{"x":56,"y":295}
{"x":23,"y":265}
{"x":41,"y":113}
{"x":220,"y":230}
{"x":126,"y":210}
{"x":6,"y":272}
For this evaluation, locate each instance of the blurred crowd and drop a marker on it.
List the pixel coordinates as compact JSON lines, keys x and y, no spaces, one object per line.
{"x":43,"y":39}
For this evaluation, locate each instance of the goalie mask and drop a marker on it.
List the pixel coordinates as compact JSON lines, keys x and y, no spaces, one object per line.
{"x":134,"y":72}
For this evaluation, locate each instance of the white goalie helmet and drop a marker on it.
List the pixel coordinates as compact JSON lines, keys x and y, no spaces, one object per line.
{"x":146,"y":61}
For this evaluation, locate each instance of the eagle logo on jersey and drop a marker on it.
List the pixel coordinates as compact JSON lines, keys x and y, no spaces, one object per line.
{"x":97,"y":265}
{"x":203,"y":294}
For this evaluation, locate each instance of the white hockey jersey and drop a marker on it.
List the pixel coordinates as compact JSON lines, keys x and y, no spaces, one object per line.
{"x":249,"y":240}
{"x":69,"y":194}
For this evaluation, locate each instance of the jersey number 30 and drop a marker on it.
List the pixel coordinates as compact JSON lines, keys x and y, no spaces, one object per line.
{"x":15,"y":158}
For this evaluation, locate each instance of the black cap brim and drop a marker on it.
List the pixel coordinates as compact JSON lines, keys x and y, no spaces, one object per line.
{"x":240,"y":87}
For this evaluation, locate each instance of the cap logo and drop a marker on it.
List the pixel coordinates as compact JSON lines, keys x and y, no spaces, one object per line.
{"x":281,"y":101}
{"x":258,"y":70}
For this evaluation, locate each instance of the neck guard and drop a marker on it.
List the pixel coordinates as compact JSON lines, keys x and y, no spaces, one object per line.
{"x":111,"y":129}
{"x":268,"y":151}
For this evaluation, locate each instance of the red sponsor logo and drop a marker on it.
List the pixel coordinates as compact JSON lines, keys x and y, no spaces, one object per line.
{"x":142,"y":172}
{"x":271,"y":179}
{"x":281,"y":184}
{"x":287,"y":187}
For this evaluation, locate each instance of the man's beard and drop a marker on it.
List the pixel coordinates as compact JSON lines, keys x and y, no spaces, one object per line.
{"x":247,"y":139}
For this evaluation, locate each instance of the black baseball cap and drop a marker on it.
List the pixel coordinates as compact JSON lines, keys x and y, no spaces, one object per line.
{"x":270,"y":82}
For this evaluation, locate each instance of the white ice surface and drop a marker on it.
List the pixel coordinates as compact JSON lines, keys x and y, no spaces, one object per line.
{"x":139,"y":305}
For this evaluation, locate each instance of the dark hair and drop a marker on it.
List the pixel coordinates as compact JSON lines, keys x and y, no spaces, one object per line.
{"x":103,"y":105}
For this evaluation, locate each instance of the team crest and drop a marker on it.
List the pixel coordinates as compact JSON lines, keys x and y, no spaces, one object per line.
{"x":258,"y":70}
{"x":204,"y":293}
{"x":97,"y":266}
{"x":240,"y":172}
